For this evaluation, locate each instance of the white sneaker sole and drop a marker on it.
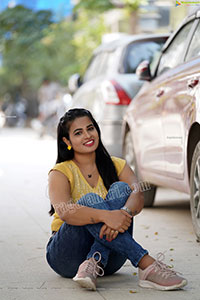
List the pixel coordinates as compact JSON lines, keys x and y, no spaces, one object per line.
{"x":85,"y":282}
{"x":152,"y":285}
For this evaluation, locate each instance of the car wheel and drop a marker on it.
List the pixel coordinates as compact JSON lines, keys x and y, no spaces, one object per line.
{"x":195,"y":190}
{"x":129,"y":155}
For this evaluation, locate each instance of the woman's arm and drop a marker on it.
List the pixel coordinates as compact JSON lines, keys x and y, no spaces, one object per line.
{"x":75,"y":214}
{"x":60,"y":195}
{"x":135,"y":201}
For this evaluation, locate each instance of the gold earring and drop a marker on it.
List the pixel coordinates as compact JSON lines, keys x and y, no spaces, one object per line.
{"x":69,"y":147}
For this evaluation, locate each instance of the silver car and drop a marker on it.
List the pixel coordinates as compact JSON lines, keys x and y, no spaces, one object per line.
{"x":110,"y":82}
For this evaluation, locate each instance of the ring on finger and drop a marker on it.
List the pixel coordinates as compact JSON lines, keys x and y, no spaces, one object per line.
{"x":112,"y":231}
{"x":116,"y":231}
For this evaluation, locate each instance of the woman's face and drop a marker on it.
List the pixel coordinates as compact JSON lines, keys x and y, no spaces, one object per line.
{"x":83,"y":135}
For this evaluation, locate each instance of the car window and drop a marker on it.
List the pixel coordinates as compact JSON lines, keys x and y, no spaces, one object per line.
{"x":137,"y":52}
{"x":194,"y":49}
{"x":173,"y":56}
{"x":107,"y":63}
{"x":92,"y":67}
{"x":100,"y":64}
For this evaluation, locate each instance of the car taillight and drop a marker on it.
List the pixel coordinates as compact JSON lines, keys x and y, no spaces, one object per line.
{"x":114,"y":94}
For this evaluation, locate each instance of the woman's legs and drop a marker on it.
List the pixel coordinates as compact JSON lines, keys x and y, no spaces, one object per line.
{"x":155,"y":274}
{"x":84,"y":241}
{"x":68,"y":248}
{"x":65,"y":260}
{"x":123,"y":244}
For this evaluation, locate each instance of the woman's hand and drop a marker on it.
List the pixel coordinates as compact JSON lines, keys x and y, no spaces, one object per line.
{"x":110,"y":233}
{"x":118,"y":220}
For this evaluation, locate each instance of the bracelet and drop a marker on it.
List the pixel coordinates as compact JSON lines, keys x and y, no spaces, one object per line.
{"x":127,"y":210}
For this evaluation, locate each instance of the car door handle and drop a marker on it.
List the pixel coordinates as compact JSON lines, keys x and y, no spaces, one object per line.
{"x":160,"y":93}
{"x":192,"y":83}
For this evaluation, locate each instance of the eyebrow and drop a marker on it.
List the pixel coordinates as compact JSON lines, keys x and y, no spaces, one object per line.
{"x":77,"y":129}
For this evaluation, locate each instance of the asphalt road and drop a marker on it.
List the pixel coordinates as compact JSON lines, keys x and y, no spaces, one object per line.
{"x":25,"y":228}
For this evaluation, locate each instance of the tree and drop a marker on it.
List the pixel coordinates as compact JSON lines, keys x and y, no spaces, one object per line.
{"x":88,"y":36}
{"x":130,"y":7}
{"x":33,"y":47}
{"x":20,"y":31}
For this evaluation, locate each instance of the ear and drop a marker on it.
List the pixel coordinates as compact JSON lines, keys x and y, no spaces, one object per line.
{"x":66,"y":141}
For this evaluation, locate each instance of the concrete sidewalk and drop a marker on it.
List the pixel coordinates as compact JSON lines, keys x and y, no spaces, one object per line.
{"x":25,"y":229}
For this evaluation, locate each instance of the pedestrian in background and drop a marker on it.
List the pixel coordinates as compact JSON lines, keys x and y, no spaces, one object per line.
{"x":47,"y":94}
{"x":93,"y":205}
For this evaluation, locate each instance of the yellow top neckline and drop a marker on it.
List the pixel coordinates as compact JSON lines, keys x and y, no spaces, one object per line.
{"x":95,"y":187}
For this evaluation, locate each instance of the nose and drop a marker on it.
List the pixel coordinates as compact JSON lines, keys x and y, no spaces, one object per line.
{"x":87,"y":134}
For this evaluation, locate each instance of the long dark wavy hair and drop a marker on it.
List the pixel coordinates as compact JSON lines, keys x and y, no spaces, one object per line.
{"x":104,"y":162}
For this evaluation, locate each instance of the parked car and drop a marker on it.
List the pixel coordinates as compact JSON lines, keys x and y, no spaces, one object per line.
{"x":161,"y":129}
{"x":110,"y":82}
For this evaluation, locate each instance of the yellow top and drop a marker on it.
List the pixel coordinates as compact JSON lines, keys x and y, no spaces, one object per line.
{"x":78,"y":184}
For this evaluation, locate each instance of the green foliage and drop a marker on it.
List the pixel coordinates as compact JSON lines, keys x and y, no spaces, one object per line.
{"x":88,"y":35}
{"x":97,"y":5}
{"x":33,"y":47}
{"x":20,"y":31}
{"x":104,"y":5}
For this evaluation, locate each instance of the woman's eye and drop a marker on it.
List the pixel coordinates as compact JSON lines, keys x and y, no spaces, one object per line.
{"x":78,"y":133}
{"x":91,"y":128}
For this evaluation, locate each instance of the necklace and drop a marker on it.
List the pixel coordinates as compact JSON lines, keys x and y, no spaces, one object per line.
{"x":90,"y":175}
{"x":91,"y":172}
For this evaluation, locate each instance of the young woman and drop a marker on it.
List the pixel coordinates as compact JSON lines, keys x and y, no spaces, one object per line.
{"x":93,"y":202}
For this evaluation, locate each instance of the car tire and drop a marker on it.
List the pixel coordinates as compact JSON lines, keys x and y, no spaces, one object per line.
{"x":195,"y":190}
{"x":129,"y":155}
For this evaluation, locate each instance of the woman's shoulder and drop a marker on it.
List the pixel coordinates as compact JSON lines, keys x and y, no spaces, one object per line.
{"x":119,"y":163}
{"x":65,"y":163}
{"x":116,"y":158}
{"x":65,"y":167}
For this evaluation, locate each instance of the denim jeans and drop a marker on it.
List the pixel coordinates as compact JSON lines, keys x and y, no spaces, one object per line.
{"x":71,"y":245}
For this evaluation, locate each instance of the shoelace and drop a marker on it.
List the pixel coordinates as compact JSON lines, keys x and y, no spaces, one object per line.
{"x":162,"y":268}
{"x":93,"y":266}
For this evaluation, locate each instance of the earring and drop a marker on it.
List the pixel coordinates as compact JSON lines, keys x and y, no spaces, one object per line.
{"x":69,"y":147}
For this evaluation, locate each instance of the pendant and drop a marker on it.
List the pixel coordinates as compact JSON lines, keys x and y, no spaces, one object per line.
{"x":89,"y":175}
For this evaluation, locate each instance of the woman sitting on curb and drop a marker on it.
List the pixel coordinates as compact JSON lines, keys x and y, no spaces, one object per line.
{"x":93,"y":202}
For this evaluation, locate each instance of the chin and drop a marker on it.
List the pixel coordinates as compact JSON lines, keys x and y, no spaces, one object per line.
{"x":91,"y":149}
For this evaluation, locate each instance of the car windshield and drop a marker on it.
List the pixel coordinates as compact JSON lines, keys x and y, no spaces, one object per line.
{"x":140,"y":51}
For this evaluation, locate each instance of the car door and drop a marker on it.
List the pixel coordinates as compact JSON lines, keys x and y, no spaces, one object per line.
{"x":177,"y":98}
{"x":147,"y":132}
{"x":150,"y":114}
{"x":193,"y":61}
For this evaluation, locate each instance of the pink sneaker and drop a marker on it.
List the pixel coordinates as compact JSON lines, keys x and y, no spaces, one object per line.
{"x":160,"y":277}
{"x":88,"y":272}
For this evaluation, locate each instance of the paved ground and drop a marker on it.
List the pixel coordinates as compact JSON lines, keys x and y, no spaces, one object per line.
{"x":25,"y":228}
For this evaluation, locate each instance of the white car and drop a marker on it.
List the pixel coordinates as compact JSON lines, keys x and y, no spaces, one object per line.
{"x":110,"y":83}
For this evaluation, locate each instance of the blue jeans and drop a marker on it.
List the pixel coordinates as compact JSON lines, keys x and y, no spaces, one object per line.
{"x":71,"y":245}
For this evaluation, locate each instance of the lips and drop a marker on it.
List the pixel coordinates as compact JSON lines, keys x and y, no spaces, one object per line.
{"x":89,"y":143}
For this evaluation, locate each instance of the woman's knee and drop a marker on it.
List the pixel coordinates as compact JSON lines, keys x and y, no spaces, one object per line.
{"x":91,"y":200}
{"x":118,"y":194}
{"x":120,"y":189}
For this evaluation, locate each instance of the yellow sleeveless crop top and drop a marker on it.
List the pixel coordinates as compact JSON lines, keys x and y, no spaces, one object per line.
{"x":78,"y":184}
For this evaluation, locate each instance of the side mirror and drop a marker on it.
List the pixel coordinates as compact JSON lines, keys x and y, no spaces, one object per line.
{"x":143,"y":71}
{"x":74,"y":83}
